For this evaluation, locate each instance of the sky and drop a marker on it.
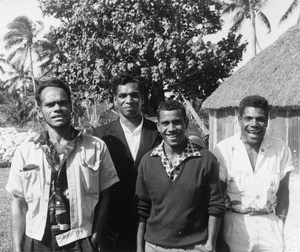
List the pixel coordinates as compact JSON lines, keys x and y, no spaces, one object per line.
{"x":10,"y":9}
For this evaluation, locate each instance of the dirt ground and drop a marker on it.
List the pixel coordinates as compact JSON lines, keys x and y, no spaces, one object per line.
{"x":292,"y":227}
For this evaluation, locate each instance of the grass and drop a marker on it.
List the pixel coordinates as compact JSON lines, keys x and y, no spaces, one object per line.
{"x":5,"y":213}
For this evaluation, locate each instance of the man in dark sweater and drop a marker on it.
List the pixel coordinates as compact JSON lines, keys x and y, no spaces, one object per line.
{"x":180,"y":200}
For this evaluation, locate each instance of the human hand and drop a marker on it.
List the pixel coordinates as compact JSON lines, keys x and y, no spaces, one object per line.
{"x":95,"y":241}
{"x":111,"y":234}
{"x":207,"y":247}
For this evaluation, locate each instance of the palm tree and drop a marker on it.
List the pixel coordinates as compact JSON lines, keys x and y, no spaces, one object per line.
{"x":22,"y":36}
{"x":2,"y":61}
{"x":248,"y":9}
{"x":48,"y":54}
{"x":18,"y":81}
{"x":17,"y":84}
{"x":289,"y":11}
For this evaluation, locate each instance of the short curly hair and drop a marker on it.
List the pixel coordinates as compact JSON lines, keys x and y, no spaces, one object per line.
{"x":171,"y":105}
{"x":52,"y":83}
{"x":123,"y":79}
{"x":255,"y":101}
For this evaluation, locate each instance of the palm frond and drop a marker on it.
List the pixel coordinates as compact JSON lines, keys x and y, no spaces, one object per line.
{"x":17,"y":52}
{"x":230,"y":8}
{"x":289,"y":11}
{"x":239,"y":18}
{"x":264,"y":20}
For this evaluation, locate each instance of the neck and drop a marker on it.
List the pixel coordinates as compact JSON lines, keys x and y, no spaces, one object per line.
{"x":58,"y":135}
{"x":254,"y":147}
{"x":175,"y":150}
{"x":131,"y":122}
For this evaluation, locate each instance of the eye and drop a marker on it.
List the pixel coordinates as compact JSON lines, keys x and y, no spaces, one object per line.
{"x":135,"y":95}
{"x":247,"y":119}
{"x":50,"y":104}
{"x":261,"y":119}
{"x":164,"y":124}
{"x":122,"y":96}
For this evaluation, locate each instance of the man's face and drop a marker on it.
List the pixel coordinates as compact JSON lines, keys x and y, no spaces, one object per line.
{"x":172,"y":128}
{"x":129,"y":100}
{"x":253,"y":125}
{"x":55,"y":107}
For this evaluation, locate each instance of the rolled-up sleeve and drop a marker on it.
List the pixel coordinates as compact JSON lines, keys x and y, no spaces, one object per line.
{"x":286,"y":162}
{"x":15,"y":184}
{"x":108,"y":173}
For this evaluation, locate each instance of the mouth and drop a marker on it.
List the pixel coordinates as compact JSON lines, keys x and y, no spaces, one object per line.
{"x":58,"y":117}
{"x":253,"y":133}
{"x":172,"y":136}
{"x":129,"y":108}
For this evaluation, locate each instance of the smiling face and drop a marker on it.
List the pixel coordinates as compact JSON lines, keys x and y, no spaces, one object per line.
{"x":55,"y":107}
{"x":172,"y":127}
{"x":253,"y":124}
{"x":129,"y":100}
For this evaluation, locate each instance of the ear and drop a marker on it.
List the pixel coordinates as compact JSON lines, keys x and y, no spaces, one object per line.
{"x":115,"y":101}
{"x":187,"y":122}
{"x":142,"y":99}
{"x":240,"y":119}
{"x":157,"y":126}
{"x":39,"y":112}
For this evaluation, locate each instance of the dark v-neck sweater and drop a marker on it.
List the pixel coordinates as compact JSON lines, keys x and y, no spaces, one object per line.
{"x":177,"y":211}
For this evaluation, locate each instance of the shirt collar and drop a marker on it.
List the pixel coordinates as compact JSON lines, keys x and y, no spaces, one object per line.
{"x":137,"y":129}
{"x":266,"y":142}
{"x":42,"y":138}
{"x":190,"y":150}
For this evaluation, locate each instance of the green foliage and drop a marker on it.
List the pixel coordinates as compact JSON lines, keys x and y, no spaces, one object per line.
{"x":159,"y":41}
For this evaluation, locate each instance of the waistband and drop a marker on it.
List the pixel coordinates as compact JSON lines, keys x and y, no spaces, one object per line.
{"x":251,"y":212}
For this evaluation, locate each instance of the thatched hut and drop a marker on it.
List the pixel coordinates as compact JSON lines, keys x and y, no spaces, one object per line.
{"x":275,"y":74}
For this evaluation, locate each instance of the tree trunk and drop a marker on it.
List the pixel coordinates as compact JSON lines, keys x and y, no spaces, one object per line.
{"x":31,"y":66}
{"x":253,"y":28}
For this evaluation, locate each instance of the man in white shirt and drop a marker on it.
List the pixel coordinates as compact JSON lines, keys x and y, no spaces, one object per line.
{"x":254,"y":171}
{"x":128,"y":139}
{"x":59,"y":180}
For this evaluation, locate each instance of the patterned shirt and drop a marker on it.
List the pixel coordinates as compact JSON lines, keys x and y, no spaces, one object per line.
{"x":172,"y":169}
{"x":59,"y":206}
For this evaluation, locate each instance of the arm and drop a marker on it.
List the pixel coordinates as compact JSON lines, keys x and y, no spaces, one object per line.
{"x":143,"y":207}
{"x":140,"y":237}
{"x":100,"y":218}
{"x":19,"y":209}
{"x":216,"y":206}
{"x":213,"y":229}
{"x":283,"y":198}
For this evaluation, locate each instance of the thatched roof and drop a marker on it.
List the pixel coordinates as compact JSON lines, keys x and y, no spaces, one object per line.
{"x":274,"y":73}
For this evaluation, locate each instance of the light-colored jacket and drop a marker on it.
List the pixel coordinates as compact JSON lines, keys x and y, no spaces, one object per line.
{"x":89,"y":170}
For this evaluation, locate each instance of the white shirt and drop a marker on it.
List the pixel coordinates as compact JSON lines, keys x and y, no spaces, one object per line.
{"x":133,"y":138}
{"x":248,"y":189}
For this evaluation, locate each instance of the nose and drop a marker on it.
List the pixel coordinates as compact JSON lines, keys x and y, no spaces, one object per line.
{"x":129,"y":98}
{"x":254,"y":122}
{"x":57,"y":106}
{"x":172,"y":127}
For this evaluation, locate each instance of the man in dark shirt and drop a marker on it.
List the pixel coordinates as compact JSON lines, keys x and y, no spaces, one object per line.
{"x":128,"y":139}
{"x":180,"y":201}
